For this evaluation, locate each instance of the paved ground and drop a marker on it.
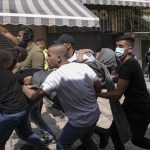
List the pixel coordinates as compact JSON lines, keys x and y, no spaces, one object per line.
{"x":57,"y":120}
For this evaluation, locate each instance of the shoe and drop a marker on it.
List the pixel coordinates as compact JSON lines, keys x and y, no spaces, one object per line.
{"x":50,"y":141}
{"x":48,"y":138}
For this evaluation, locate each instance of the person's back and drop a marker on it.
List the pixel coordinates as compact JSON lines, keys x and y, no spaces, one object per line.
{"x":12,"y":98}
{"x":76,"y":93}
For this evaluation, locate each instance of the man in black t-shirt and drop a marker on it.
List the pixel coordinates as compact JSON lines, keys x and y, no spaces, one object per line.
{"x":13,"y":105}
{"x":132,"y":85}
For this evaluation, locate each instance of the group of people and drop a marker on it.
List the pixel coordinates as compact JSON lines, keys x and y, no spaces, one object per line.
{"x":70,"y":84}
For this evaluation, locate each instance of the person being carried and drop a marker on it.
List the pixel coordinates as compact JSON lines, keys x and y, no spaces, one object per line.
{"x":80,"y":106}
{"x":107,"y":57}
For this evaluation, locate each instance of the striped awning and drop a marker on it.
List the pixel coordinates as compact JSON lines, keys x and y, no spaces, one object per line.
{"x":47,"y":12}
{"x":133,"y":3}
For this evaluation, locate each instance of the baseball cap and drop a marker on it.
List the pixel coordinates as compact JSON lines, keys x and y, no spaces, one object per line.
{"x":64,"y":38}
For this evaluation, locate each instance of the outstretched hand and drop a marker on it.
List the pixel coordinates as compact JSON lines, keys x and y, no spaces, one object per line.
{"x":32,"y":92}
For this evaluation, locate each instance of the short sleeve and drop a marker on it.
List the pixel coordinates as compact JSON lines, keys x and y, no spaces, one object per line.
{"x":51,"y":83}
{"x":90,"y":71}
{"x":125,"y":71}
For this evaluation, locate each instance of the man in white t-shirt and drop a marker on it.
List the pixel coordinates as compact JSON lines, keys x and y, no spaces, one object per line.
{"x":76,"y":85}
{"x":73,"y":56}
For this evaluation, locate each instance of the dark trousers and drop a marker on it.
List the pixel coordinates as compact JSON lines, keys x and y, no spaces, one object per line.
{"x":71,"y":133}
{"x":139,"y":124}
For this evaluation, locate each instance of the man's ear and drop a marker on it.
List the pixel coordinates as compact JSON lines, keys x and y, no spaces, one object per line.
{"x":59,"y":59}
{"x":67,"y":45}
{"x":130,"y":49}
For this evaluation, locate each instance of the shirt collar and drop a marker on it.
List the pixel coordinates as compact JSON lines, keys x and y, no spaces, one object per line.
{"x":30,"y":47}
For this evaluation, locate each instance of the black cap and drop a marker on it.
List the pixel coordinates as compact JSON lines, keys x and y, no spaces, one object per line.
{"x":64,"y":38}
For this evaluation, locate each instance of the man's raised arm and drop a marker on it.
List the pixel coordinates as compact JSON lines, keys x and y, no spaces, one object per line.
{"x":6,"y":34}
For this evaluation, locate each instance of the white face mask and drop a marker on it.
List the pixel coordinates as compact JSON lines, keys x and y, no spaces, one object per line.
{"x":119,"y":52}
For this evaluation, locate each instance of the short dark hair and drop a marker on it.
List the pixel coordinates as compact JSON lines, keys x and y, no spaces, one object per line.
{"x":40,"y":40}
{"x":127,"y":38}
{"x":55,"y":44}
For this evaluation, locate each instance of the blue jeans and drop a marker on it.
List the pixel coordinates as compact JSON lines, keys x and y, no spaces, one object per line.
{"x":71,"y":133}
{"x":20,"y":122}
{"x":36,"y":117}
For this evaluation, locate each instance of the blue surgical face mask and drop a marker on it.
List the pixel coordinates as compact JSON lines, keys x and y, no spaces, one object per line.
{"x":119,"y":52}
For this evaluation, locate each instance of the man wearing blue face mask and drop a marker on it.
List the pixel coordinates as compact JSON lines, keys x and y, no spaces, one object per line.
{"x":132,"y":85}
{"x":119,"y":52}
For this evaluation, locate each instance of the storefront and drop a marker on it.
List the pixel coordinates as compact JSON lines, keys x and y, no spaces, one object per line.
{"x":124,"y":17}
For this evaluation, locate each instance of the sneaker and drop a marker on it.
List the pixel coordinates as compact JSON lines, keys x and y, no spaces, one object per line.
{"x":50,"y":141}
{"x":48,"y":138}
